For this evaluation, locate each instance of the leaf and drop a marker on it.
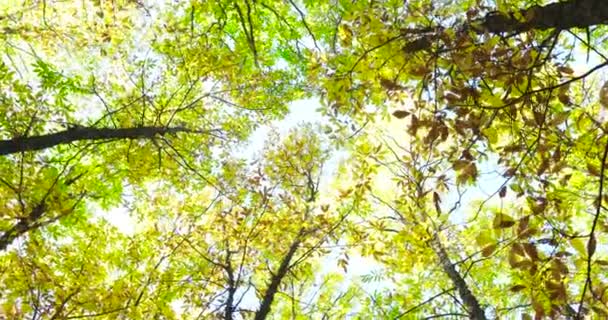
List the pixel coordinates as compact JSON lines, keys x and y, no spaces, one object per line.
{"x":509,"y":172}
{"x":517,"y":189}
{"x":517,"y":288}
{"x":513,"y":259}
{"x":544,"y":165}
{"x":518,"y":249}
{"x":400,"y":114}
{"x":557,"y":155}
{"x":559,"y":266}
{"x":593,"y":169}
{"x":459,"y":164}
{"x":414,"y":125}
{"x":436,"y":197}
{"x":468,"y":173}
{"x":531,"y":251}
{"x":604,"y":95}
{"x":564,"y":98}
{"x":523,"y":224}
{"x":538,"y":308}
{"x":600,"y":311}
{"x":565,"y":70}
{"x":591,"y":245}
{"x":539,"y":117}
{"x":527,"y":233}
{"x":488,"y":250}
{"x":579,"y":246}
{"x":503,"y":192}
{"x":343,"y":263}
{"x":502,"y":221}
{"x":345,"y":35}
{"x":484,"y":238}
{"x":389,"y":84}
{"x":537,"y":205}
{"x":602,"y":262}
{"x":437,"y":202}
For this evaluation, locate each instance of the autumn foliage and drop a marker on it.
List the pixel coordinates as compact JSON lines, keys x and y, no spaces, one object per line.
{"x":154,"y":163}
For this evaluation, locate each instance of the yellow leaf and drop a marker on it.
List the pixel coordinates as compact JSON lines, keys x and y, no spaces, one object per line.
{"x":579,"y":246}
{"x":345,"y":34}
{"x":483,"y":238}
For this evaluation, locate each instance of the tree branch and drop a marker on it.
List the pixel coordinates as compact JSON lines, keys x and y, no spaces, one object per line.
{"x":591,"y":243}
{"x":33,"y":222}
{"x":23,"y":226}
{"x":22,"y":144}
{"x":229,"y":310}
{"x":558,"y":15}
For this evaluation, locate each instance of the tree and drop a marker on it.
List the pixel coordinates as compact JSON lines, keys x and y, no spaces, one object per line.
{"x":140,"y":98}
{"x":488,"y":86}
{"x":475,"y":134}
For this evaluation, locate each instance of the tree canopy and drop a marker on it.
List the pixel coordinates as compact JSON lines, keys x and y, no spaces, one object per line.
{"x":154,"y":165}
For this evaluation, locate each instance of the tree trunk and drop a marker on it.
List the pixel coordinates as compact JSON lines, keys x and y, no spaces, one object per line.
{"x":558,"y":15}
{"x":276,"y":279}
{"x":22,"y":144}
{"x":470,"y":301}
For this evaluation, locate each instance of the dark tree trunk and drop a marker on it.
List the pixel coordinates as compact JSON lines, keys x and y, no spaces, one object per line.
{"x":558,"y":15}
{"x":470,"y":301}
{"x":229,"y":311}
{"x":275,"y":281}
{"x":22,"y":144}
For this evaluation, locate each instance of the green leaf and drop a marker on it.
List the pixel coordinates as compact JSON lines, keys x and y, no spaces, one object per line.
{"x":502,"y":221}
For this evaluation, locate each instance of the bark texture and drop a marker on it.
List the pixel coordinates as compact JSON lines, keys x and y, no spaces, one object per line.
{"x":468,"y":298}
{"x":33,"y":143}
{"x":558,"y":15}
{"x":276,"y":279}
